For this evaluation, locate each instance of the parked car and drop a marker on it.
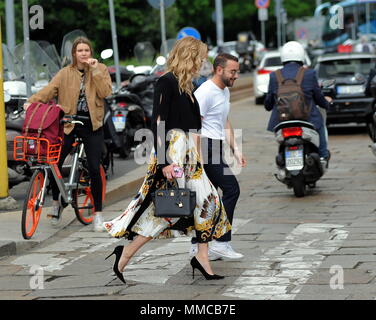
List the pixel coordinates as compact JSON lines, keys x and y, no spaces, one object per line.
{"x":350,"y":70}
{"x":271,"y":61}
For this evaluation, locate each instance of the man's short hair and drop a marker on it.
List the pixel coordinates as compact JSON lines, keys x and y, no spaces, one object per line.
{"x":221,"y":60}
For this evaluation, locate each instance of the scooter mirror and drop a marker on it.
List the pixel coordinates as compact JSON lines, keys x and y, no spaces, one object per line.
{"x":105,"y":54}
{"x":328,"y":83}
{"x":360,"y":77}
{"x":131,"y":67}
{"x":161,"y":60}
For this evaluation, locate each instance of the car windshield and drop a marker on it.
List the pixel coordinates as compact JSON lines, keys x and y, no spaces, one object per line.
{"x":273,"y":62}
{"x":343,"y":67}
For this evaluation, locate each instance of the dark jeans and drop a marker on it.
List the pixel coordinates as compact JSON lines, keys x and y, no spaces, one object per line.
{"x":323,"y":148}
{"x":93,"y":144}
{"x":221,"y":177}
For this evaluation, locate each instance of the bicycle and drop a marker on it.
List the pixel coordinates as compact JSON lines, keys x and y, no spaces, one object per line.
{"x":76,"y":191}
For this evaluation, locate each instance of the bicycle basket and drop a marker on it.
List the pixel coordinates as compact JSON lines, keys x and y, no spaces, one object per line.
{"x":38,"y":150}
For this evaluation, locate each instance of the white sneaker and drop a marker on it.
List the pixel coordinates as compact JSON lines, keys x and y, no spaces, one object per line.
{"x":55,"y":216}
{"x":98,"y":223}
{"x":224,"y":249}
{"x":194,"y":249}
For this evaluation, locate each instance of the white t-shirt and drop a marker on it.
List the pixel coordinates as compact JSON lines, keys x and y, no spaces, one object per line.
{"x":214,"y":108}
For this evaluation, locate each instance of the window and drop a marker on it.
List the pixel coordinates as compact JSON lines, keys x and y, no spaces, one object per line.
{"x":273,"y":62}
{"x":344,"y":67}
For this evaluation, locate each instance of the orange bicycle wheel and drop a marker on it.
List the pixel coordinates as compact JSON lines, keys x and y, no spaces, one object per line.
{"x":83,"y":201}
{"x":32,"y":208}
{"x":104,"y":182}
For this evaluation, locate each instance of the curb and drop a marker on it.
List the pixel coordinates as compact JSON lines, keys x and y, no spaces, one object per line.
{"x":117,"y":189}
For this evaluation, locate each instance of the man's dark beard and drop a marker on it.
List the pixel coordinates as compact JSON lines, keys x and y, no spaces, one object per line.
{"x":226,"y":81}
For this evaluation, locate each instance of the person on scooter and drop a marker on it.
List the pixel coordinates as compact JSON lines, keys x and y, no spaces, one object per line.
{"x":293,"y":57}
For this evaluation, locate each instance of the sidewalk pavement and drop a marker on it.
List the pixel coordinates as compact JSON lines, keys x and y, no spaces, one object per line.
{"x":11,"y":240}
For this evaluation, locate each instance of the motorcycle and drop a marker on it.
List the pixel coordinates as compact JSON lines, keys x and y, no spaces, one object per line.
{"x":14,"y":86}
{"x":143,"y":86}
{"x":128,"y":117}
{"x":298,"y":162}
{"x":371,"y":119}
{"x":17,"y":171}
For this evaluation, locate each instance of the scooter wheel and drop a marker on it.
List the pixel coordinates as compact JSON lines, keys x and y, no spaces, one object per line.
{"x":299,"y":186}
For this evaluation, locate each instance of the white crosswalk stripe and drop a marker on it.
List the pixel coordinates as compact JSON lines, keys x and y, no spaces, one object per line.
{"x":298,"y":256}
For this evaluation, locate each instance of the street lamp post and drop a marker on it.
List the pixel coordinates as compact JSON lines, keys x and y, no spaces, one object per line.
{"x":26,"y":33}
{"x":163,"y":28}
{"x":114,"y":43}
{"x":10,"y":26}
{"x":219,"y":22}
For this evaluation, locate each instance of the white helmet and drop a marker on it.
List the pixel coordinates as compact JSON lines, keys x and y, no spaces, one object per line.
{"x":292,"y":51}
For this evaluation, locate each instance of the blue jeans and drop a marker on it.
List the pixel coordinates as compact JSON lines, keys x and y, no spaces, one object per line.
{"x":323,"y":148}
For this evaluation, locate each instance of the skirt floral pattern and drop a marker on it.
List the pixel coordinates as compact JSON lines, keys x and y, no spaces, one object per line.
{"x":209,"y":219}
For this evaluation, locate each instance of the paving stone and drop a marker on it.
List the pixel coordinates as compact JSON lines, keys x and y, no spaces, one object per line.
{"x":98,"y":291}
{"x":350,"y":277}
{"x":347,"y":261}
{"x":15,"y":295}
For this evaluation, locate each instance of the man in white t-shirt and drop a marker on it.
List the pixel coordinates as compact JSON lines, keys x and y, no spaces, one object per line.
{"x":213,"y":97}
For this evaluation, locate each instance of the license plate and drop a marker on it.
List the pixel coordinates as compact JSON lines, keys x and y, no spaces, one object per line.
{"x":119,"y":123}
{"x":350,"y":89}
{"x":294,"y":159}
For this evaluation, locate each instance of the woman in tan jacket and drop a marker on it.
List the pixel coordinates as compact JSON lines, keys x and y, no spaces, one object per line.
{"x":80,"y":89}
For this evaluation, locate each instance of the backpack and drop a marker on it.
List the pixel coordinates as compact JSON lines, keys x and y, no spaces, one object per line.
{"x":291,"y":104}
{"x":42,"y":121}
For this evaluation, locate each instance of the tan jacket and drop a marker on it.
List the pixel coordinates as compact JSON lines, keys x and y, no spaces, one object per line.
{"x":66,"y":87}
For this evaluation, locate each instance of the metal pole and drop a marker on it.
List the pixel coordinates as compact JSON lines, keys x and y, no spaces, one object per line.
{"x":25,"y":17}
{"x":4,"y":188}
{"x":356,"y":21}
{"x":163,"y":28}
{"x":219,"y":20}
{"x":278,"y":16}
{"x":10,"y":26}
{"x":114,"y":43}
{"x":368,"y":18}
{"x":263,"y":33}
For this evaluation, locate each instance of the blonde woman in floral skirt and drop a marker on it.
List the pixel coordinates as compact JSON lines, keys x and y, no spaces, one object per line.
{"x":177,"y":113}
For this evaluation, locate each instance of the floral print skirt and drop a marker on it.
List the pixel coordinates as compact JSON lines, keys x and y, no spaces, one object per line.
{"x":209,"y":219}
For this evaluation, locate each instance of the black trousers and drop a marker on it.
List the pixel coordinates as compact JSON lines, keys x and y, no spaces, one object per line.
{"x":221,"y":176}
{"x":93,"y":146}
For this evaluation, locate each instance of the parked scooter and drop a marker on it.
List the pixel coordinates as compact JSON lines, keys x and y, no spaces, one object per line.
{"x":17,"y":171}
{"x":128,"y":117}
{"x":143,"y":86}
{"x":298,"y":161}
{"x":371,"y":119}
{"x":14,"y":85}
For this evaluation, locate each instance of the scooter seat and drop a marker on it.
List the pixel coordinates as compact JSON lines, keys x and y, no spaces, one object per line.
{"x":15,"y":124}
{"x":293,"y":123}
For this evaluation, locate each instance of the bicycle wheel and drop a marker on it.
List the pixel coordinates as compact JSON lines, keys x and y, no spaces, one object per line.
{"x":32,"y":207}
{"x":83,"y":201}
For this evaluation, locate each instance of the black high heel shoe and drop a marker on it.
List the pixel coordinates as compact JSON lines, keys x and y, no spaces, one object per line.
{"x":117,"y":252}
{"x":196,"y":265}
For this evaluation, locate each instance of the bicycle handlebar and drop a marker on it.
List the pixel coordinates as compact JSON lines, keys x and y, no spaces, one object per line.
{"x":74,"y":119}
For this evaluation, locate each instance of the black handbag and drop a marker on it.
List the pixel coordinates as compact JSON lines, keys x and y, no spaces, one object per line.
{"x":174,"y":202}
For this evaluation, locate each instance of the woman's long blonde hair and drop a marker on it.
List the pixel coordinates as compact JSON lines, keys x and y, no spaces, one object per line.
{"x":185,"y":60}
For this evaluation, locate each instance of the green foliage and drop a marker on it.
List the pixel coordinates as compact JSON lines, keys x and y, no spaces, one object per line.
{"x":137,"y":21}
